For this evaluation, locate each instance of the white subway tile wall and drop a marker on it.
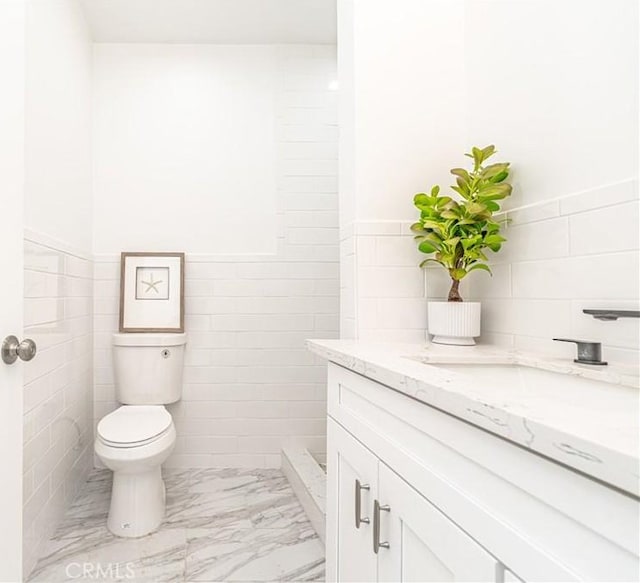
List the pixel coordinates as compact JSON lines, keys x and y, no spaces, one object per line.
{"x":58,"y":396}
{"x":250,"y":385}
{"x":578,"y":251}
{"x":382,"y":288}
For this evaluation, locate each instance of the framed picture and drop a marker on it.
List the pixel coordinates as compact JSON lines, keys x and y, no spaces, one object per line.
{"x":152,"y":292}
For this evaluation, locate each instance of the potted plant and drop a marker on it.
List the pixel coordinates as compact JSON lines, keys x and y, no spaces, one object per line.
{"x":455,"y":231}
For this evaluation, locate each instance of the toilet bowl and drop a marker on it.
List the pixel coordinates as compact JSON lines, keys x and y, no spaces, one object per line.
{"x":133,"y":442}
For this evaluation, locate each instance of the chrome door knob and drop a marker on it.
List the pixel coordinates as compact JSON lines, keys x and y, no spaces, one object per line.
{"x":12,"y":349}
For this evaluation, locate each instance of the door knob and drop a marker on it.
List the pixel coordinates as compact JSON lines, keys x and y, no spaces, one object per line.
{"x":12,"y":349}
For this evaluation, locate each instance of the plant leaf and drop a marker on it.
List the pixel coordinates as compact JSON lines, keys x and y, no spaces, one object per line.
{"x":423,"y":263}
{"x":476,"y":208}
{"x":464,"y":187}
{"x":477,"y":157}
{"x":494,"y":238}
{"x":462,"y":173}
{"x":460,"y":191}
{"x":494,"y":191}
{"x":483,"y":266}
{"x":499,"y":177}
{"x":442,"y":201}
{"x":427,"y":247}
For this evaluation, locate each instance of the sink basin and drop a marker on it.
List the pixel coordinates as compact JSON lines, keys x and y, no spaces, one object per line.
{"x":517,"y":376}
{"x":582,"y":407}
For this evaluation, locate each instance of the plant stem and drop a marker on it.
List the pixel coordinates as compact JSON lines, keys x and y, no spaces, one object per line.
{"x":454,"y":293}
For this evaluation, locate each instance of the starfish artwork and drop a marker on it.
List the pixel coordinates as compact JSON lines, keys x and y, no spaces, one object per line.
{"x":151,"y":284}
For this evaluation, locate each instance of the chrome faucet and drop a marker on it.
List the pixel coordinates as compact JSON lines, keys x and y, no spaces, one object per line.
{"x":608,"y":315}
{"x":588,"y":352}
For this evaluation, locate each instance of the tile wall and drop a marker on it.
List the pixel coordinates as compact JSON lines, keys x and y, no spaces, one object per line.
{"x":58,"y":403}
{"x":250,"y":384}
{"x":562,"y":255}
{"x":382,"y":288}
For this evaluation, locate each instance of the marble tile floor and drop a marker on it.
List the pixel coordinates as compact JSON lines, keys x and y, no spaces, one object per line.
{"x":221,"y":525}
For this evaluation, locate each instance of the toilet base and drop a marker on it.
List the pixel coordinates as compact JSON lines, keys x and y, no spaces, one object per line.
{"x":137,"y":503}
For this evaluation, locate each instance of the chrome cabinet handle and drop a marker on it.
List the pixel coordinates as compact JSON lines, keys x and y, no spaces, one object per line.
{"x":359,"y":518}
{"x":12,"y":349}
{"x":377,"y":545}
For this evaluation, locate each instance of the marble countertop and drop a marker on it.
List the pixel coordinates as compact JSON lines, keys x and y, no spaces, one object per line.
{"x":582,"y":417}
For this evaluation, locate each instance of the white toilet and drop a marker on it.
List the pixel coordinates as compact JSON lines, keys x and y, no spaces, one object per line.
{"x":134,"y":440}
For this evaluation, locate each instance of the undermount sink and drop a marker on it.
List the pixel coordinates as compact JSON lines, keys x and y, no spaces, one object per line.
{"x":501,"y":376}
{"x":517,"y":376}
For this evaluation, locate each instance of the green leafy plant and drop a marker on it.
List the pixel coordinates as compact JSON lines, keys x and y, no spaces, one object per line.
{"x":455,"y":232}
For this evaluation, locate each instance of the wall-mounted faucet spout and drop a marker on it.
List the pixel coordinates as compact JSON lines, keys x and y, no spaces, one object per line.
{"x":609,"y":315}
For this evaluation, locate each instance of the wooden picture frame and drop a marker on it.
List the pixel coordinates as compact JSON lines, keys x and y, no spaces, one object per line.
{"x":151,"y":292}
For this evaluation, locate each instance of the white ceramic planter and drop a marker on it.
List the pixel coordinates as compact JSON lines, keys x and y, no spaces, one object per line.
{"x":454,"y":323}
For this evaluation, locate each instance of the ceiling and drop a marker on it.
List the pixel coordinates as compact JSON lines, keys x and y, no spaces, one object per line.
{"x":212,"y":21}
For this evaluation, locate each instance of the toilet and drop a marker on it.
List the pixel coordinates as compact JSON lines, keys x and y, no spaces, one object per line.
{"x":136,"y":439}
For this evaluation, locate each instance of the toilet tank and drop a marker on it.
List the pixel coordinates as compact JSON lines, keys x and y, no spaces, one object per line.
{"x":148,"y":368}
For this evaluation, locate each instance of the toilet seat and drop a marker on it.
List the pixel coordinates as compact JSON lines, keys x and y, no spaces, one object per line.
{"x":132,"y":426}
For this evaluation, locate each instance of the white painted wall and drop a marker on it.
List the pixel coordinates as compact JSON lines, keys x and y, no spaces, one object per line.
{"x":184,"y":148}
{"x":562,"y":99}
{"x":212,"y":21}
{"x":58,"y":122}
{"x":410,"y":98}
{"x":58,"y":404}
{"x":250,"y":384}
{"x":402,"y":121}
{"x":346,"y":167}
{"x":566,"y":115}
{"x":559,"y":98}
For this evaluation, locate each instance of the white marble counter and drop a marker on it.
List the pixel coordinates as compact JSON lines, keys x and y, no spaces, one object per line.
{"x":585,"y":418}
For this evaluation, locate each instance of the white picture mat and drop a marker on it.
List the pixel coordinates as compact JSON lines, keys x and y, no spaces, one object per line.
{"x":151,"y":314}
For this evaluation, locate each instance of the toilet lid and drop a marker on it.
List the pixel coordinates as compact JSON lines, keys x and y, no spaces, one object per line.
{"x":132,"y":424}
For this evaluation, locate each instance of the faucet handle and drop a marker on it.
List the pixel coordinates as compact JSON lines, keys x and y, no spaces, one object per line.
{"x":588,"y":352}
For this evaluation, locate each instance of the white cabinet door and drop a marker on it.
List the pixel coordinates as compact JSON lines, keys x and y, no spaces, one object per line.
{"x":423,"y":544}
{"x":352,"y":477}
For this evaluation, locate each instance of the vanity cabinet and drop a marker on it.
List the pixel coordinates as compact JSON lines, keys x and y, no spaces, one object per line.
{"x":414,"y":494}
